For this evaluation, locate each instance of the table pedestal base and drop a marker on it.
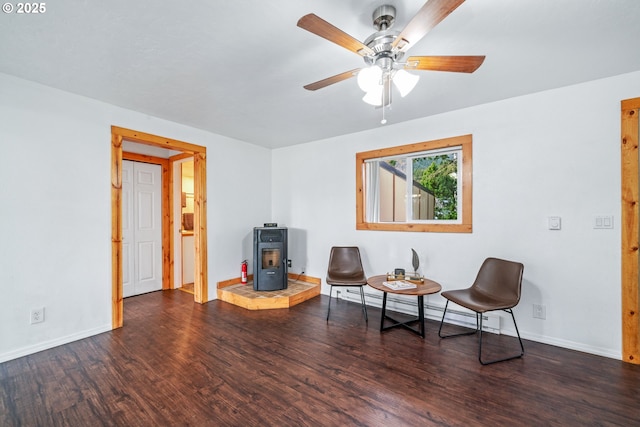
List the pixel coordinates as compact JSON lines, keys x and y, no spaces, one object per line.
{"x":396,"y":324}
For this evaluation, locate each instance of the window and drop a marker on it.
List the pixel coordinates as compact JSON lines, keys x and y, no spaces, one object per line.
{"x":418,"y":187}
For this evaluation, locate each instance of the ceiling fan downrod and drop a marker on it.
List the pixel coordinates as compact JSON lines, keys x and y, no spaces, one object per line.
{"x":381,"y":41}
{"x":384,"y":17}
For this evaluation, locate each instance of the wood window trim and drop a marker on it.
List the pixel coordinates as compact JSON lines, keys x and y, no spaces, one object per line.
{"x":465,"y":226}
{"x":630,"y":216}
{"x":118,"y":135}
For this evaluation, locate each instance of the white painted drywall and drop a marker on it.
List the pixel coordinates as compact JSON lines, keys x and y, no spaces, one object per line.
{"x":55,"y":210}
{"x":553,"y":153}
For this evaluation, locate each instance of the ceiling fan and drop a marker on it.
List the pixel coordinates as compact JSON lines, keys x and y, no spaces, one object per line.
{"x":383,"y":51}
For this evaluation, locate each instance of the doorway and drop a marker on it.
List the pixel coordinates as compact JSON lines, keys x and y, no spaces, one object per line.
{"x":185,"y":233}
{"x":118,"y":135}
{"x":141,"y":228}
{"x":630,"y":169}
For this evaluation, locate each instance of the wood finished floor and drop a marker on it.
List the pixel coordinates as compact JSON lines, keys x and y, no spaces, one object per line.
{"x":178,"y":363}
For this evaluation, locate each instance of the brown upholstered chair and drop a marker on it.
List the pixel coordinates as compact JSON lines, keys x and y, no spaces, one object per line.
{"x":497,"y":287}
{"x":345,"y":269}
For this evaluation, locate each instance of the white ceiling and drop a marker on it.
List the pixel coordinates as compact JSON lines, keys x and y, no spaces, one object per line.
{"x":237,"y":68}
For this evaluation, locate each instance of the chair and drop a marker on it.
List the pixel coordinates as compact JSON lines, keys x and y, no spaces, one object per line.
{"x":345,"y":269}
{"x":497,"y":287}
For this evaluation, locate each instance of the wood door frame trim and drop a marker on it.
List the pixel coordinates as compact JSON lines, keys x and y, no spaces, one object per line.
{"x":630,"y":218}
{"x":118,"y":135}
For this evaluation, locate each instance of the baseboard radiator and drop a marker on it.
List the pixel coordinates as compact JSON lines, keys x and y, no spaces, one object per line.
{"x":409,"y":305}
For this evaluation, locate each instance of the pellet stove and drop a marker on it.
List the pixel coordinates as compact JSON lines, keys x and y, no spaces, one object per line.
{"x":269,"y":258}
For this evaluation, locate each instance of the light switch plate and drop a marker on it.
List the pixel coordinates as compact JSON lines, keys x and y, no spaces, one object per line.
{"x":603,"y":221}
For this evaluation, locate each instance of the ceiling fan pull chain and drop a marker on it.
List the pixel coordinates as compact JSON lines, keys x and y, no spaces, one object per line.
{"x":384,"y":120}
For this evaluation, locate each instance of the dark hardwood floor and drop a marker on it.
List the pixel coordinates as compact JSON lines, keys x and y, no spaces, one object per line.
{"x":178,"y":363}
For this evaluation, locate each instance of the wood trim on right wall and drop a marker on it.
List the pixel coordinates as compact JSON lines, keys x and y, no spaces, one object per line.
{"x":630,"y":230}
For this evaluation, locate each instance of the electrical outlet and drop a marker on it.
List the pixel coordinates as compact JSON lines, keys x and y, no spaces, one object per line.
{"x":37,"y":315}
{"x":539,"y":311}
{"x":555,"y":223}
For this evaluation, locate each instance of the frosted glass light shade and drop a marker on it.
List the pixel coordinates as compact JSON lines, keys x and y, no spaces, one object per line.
{"x":405,"y":82}
{"x":369,"y":78}
{"x":374,"y":96}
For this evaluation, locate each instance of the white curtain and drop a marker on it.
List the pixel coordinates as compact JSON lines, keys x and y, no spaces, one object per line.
{"x":372,"y":190}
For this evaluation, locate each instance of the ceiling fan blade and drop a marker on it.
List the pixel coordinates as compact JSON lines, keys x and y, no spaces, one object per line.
{"x":430,"y":15}
{"x":456,"y":64}
{"x":331,"y":80}
{"x":322,"y":28}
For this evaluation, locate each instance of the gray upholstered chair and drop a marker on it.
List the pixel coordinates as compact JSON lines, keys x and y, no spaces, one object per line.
{"x":497,"y":287}
{"x":345,"y":269}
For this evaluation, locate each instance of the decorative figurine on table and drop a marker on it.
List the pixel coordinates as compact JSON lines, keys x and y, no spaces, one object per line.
{"x":400,"y":274}
{"x":415,"y":261}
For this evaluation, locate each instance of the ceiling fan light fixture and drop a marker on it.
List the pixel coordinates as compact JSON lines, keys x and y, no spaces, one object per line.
{"x":405,"y":82}
{"x":369,"y":78}
{"x":384,"y":50}
{"x":374,"y":96}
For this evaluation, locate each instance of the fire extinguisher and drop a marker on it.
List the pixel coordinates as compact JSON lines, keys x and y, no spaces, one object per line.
{"x":244,"y":272}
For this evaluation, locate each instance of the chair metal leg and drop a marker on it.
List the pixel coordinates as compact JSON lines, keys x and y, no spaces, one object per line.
{"x":506,"y":358}
{"x":444,"y":313}
{"x":329,"y":309}
{"x":364,"y":305}
{"x":479,"y":329}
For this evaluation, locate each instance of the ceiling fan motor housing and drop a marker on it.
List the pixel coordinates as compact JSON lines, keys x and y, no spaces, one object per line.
{"x":381,"y":41}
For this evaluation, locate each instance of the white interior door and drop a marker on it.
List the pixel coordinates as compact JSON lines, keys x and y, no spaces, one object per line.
{"x":141,"y":228}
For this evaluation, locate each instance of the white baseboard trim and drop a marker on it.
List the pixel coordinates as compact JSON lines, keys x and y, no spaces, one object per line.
{"x":409,"y":305}
{"x":46,"y":345}
{"x":571,"y":345}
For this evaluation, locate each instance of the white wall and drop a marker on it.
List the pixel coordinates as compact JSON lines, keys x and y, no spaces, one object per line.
{"x":546,"y":154}
{"x":55,"y":210}
{"x":551,"y":153}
